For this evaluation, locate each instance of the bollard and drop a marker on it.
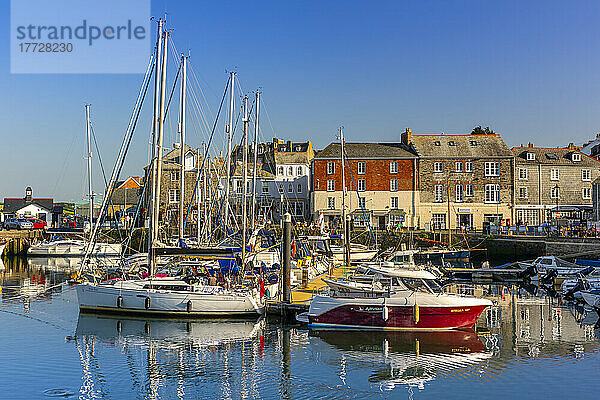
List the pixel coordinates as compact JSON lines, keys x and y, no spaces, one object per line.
{"x":286,"y":243}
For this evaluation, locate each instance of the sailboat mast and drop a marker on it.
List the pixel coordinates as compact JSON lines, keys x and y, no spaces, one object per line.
{"x":154,"y":165}
{"x":182,"y":106}
{"x":346,"y":259}
{"x":449,"y":218}
{"x":89,"y":166}
{"x":159,"y":144}
{"x":245,"y":179}
{"x":229,"y":136}
{"x":254,"y":169}
{"x":205,"y":191}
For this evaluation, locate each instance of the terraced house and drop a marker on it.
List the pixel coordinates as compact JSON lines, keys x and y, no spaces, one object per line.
{"x":553,"y":182}
{"x":380,"y":181}
{"x":464,"y":180}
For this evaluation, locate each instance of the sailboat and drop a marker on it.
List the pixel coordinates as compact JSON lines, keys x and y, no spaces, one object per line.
{"x":183,"y":294}
{"x":59,"y":247}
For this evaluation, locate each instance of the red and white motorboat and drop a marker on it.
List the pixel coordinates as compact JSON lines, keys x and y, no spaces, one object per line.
{"x":414,"y":301}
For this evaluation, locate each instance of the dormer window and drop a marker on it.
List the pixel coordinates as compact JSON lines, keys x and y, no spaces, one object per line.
{"x":451,"y":143}
{"x":530,"y":156}
{"x":473,"y":143}
{"x":437,"y":143}
{"x":576,"y":157}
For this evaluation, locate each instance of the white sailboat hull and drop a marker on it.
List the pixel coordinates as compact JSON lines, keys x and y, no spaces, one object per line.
{"x":73,"y":248}
{"x":101,"y":298}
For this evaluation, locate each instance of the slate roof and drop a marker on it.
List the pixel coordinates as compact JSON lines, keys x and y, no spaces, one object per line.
{"x":12,"y":205}
{"x":464,"y":146}
{"x":364,"y":151}
{"x":553,"y":156}
{"x":292,"y":158}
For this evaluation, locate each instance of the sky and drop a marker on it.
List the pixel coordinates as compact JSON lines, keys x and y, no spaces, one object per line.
{"x":529,"y":70}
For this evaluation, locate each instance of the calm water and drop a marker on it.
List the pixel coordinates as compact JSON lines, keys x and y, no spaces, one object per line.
{"x":526,"y":346}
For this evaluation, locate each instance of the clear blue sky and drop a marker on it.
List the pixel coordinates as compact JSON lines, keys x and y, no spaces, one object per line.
{"x":530,"y":70}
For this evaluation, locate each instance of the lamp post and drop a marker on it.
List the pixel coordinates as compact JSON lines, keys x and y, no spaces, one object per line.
{"x":556,"y":195}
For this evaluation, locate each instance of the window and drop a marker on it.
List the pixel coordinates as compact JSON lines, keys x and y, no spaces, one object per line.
{"x":361,"y":185}
{"x":459,"y":193}
{"x":299,"y":188}
{"x":331,"y":203}
{"x":451,"y":143}
{"x":174,"y":196}
{"x":438,"y":193}
{"x":393,"y":167}
{"x":290,"y":188}
{"x":331,"y":185}
{"x":438,"y":166}
{"x":554,"y":174}
{"x":361,"y":203}
{"x":174,"y":176}
{"x":586,"y":175}
{"x":576,"y":157}
{"x":239,"y":187}
{"x":290,"y":171}
{"x":265,"y":187}
{"x":473,"y":143}
{"x":530,"y":156}
{"x":459,"y":166}
{"x":300,"y":171}
{"x":586,"y":193}
{"x":523,"y":173}
{"x":330,"y":168}
{"x":280,"y":171}
{"x":437,"y":143}
{"x":523,"y":192}
{"x":394,"y":202}
{"x":492,"y":193}
{"x":555,"y":192}
{"x":280,"y":188}
{"x":393,"y":185}
{"x":361,"y":168}
{"x":438,"y":221}
{"x":469,"y":190}
{"x":492,"y":168}
{"x":469,"y":166}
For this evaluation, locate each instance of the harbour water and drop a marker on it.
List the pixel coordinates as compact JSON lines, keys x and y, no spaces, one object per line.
{"x":529,"y":346}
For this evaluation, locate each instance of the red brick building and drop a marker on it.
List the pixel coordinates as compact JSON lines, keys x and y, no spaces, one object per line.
{"x":381,"y":184}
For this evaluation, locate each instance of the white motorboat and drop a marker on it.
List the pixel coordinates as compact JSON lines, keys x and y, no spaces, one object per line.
{"x":358,"y":252}
{"x":551,"y":264}
{"x":413,"y":301}
{"x":168,"y":297}
{"x":73,"y":248}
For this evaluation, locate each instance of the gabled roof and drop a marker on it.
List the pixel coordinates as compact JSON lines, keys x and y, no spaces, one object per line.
{"x":463,"y":146}
{"x":292,"y":158}
{"x":553,"y":156}
{"x":12,"y":204}
{"x":364,"y":151}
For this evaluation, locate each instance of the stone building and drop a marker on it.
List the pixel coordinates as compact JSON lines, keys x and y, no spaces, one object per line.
{"x":553,"y":183}
{"x":467,"y":176}
{"x":381,"y":184}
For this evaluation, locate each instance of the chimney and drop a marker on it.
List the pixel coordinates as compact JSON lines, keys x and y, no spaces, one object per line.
{"x":529,"y":144}
{"x":571,"y":146}
{"x":406,"y":137}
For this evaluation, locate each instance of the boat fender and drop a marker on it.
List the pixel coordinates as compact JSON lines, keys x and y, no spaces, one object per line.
{"x":416,"y":313}
{"x":189,"y":306}
{"x":147,"y":303}
{"x":120,"y":302}
{"x":385,"y":312}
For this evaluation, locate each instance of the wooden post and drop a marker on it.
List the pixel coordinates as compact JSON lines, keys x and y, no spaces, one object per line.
{"x":286,"y":243}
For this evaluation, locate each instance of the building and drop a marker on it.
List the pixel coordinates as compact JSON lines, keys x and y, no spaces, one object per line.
{"x":553,"y":182}
{"x":125,"y":197}
{"x":467,"y":176}
{"x":31,"y":207}
{"x":380,"y":179}
{"x":592,"y":147}
{"x":282,"y":182}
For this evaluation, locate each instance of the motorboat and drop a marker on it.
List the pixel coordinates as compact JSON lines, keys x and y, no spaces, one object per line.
{"x":554,"y":267}
{"x":169,"y":296}
{"x":358,"y":252}
{"x":73,"y":248}
{"x":592,"y":297}
{"x":413,"y":301}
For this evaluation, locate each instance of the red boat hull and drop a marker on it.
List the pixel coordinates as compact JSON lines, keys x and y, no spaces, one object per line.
{"x":398,"y":317}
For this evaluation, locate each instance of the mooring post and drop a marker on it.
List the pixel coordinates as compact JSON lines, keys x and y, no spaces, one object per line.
{"x":286,"y":242}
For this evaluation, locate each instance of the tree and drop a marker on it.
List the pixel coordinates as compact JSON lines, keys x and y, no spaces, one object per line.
{"x":478,"y":130}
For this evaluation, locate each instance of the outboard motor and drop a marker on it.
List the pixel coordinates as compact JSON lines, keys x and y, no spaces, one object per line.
{"x":580,"y":285}
{"x":548,"y":279}
{"x":528,"y":272}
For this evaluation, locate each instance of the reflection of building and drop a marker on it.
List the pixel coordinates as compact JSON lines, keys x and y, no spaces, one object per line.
{"x":553,"y":182}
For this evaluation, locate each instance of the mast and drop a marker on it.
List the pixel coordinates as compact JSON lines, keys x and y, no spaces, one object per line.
{"x":346,"y":251}
{"x":449,"y":218}
{"x":245,"y":179}
{"x":199,"y":200}
{"x":256,"y":114}
{"x":89,"y":166}
{"x":159,"y":146}
{"x":153,"y":167}
{"x":182,"y":146}
{"x":229,"y":130}
{"x":205,"y":190}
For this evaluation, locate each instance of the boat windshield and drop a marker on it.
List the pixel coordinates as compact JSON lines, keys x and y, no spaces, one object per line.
{"x":422,"y":285}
